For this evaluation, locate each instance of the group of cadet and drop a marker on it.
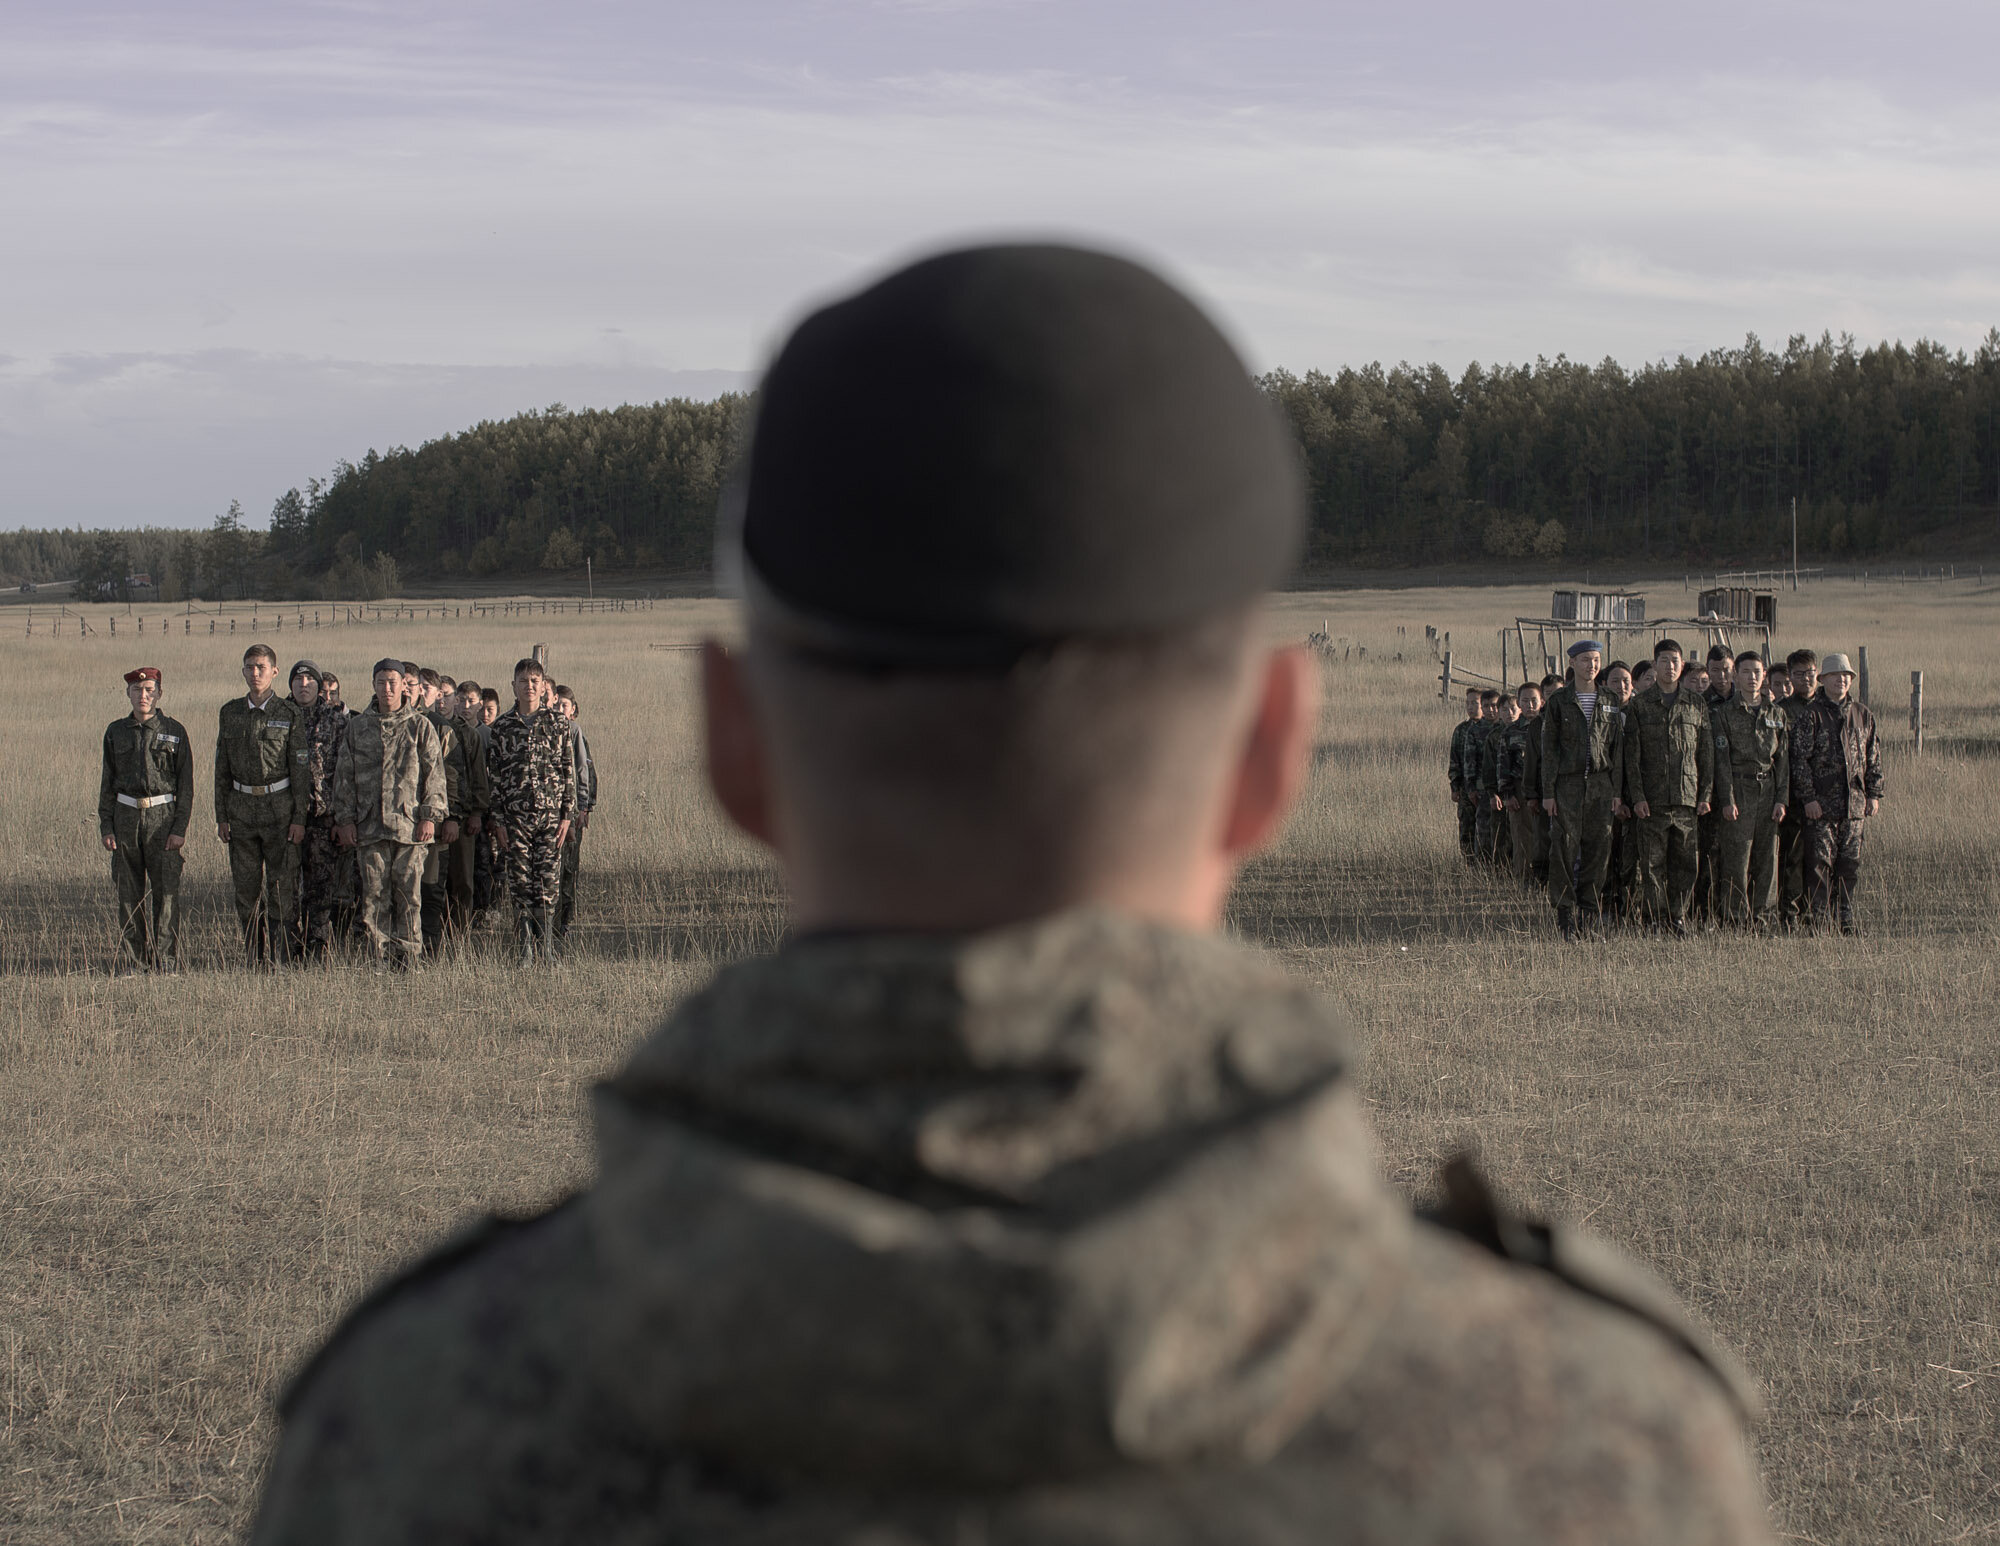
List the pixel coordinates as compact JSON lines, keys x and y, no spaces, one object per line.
{"x":1671,"y":796}
{"x":401,"y":825}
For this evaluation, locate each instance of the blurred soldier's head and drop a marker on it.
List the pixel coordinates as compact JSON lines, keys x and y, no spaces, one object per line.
{"x":530,"y":683}
{"x":1472,"y":707}
{"x":260,"y":670}
{"x":466,"y":705}
{"x":1721,"y":669}
{"x":1586,"y":659}
{"x":1836,"y":678}
{"x":1748,"y":677}
{"x":429,"y":688}
{"x":305,"y":684}
{"x":566,"y":701}
{"x":1008,"y":522}
{"x":392,"y":687}
{"x":1488,"y":701}
{"x":142,"y":690}
{"x":1803,"y":667}
{"x":1505,"y":709}
{"x":330,"y":686}
{"x":1529,"y":696}
{"x":1617,"y":682}
{"x":489,"y":705}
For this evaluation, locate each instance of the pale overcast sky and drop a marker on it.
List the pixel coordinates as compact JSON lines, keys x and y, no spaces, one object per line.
{"x":240,"y":241}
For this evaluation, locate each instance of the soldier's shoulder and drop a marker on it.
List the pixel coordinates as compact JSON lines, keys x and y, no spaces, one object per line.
{"x":1579,"y":1269}
{"x":171,"y":726}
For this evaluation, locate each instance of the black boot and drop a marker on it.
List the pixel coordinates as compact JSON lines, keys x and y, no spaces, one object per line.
{"x":1566,"y":921}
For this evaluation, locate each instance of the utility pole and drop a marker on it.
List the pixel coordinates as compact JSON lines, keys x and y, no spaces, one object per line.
{"x":590,"y":587}
{"x":1795,"y":542}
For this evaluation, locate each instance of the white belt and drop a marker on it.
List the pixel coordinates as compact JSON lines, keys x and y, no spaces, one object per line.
{"x":145,"y":802}
{"x":283,"y":783}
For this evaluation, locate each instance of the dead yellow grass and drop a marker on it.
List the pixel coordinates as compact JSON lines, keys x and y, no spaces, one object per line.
{"x":196,"y":1175}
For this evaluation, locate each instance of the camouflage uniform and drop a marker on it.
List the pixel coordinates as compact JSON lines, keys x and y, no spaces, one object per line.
{"x":326,"y":870}
{"x":1707,"y":899}
{"x":572,"y":849}
{"x":1837,"y":761}
{"x":533,"y":772}
{"x":1068,"y":1233}
{"x":437,"y":905}
{"x":260,"y":791}
{"x":461,"y":861}
{"x":1517,"y":777}
{"x":1753,"y":772}
{"x":1675,"y":743}
{"x":389,"y":780}
{"x":1793,"y":840}
{"x":1472,"y":751}
{"x":1584,"y":768}
{"x":1490,"y":828}
{"x":145,"y":796}
{"x":1468,"y":815}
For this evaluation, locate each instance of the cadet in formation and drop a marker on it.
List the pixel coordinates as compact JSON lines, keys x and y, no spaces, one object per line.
{"x":1753,"y":742}
{"x":1492,"y":841}
{"x":586,"y":801}
{"x":1837,"y":780}
{"x":325,"y":870}
{"x":460,"y":860}
{"x":1011,"y":1201}
{"x":1720,"y":692}
{"x":1802,"y":671}
{"x":389,"y":800}
{"x":260,"y":805}
{"x":1462,"y":796}
{"x":533,"y":773}
{"x":1584,"y":778}
{"x":144,"y":798}
{"x":1674,"y":738}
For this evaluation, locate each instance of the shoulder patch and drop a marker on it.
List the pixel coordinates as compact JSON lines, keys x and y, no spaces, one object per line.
{"x":461,"y":1246}
{"x":1589,"y":1266}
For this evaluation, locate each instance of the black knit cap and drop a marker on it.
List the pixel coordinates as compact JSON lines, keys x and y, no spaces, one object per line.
{"x":1004,"y":447}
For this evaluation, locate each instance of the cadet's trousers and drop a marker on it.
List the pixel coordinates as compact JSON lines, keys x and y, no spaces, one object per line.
{"x":1793,"y":845}
{"x":534,"y":865}
{"x":140,"y":863}
{"x":1580,"y":841}
{"x":1621,"y":883}
{"x":1746,"y":855}
{"x":1833,"y":864}
{"x":322,"y":863}
{"x":1667,"y":858}
{"x":1486,"y":823}
{"x":1707,"y":896}
{"x":460,"y":861}
{"x":264,"y":871}
{"x":392,"y":876}
{"x":1468,"y":824}
{"x":1530,"y":831}
{"x":572,"y":865}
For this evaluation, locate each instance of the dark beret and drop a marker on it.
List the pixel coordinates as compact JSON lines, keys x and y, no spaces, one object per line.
{"x":1004,"y":447}
{"x":386,"y":664}
{"x":143,"y":674}
{"x":1581,"y":645}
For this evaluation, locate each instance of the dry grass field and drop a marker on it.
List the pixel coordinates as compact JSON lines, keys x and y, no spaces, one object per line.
{"x":1801,"y":1134}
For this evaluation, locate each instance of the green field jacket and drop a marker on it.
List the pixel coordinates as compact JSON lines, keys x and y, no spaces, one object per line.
{"x":1675,"y":743}
{"x":390,"y":776}
{"x":1571,"y":747}
{"x":146,"y":759}
{"x":261,"y":748}
{"x":1753,"y":749}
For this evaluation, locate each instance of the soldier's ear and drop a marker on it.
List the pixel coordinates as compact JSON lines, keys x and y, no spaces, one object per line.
{"x":738,"y":764}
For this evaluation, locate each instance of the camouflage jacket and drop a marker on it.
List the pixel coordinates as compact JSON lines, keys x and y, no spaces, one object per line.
{"x":1675,"y":743}
{"x":478,"y":785}
{"x":326,"y":727}
{"x":1571,"y":747}
{"x":532,"y":769}
{"x":1067,"y":1233}
{"x":1529,"y":785}
{"x":261,"y":748}
{"x":1507,"y":756}
{"x":1455,"y":763}
{"x":1477,"y":733}
{"x":146,"y":757}
{"x":457,"y":764}
{"x":1752,"y":744}
{"x":390,"y":776}
{"x":1836,"y":759}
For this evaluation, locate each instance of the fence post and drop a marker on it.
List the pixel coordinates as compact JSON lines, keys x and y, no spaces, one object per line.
{"x":1917,"y":710}
{"x":1444,"y":680}
{"x":1864,"y":675}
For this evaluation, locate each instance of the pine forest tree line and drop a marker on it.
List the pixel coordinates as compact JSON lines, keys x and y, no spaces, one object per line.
{"x":1692,"y":461}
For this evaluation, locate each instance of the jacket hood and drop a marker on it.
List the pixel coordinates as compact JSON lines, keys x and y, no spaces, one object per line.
{"x":975,"y":1211}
